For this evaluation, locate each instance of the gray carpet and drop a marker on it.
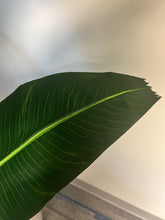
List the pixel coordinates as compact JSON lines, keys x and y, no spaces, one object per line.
{"x":73,"y":203}
{"x":65,"y":208}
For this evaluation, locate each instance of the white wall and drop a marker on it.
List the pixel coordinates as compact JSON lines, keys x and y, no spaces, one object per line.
{"x":43,"y":37}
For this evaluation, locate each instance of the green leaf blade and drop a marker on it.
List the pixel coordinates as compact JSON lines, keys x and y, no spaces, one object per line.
{"x":55,"y":127}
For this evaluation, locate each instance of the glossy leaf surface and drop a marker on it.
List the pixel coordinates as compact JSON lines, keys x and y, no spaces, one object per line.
{"x":52,"y":128}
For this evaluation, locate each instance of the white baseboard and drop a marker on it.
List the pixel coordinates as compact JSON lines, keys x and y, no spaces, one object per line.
{"x":137,"y":212}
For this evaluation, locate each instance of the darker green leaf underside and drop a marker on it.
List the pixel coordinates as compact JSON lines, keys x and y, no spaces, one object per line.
{"x":52,"y":128}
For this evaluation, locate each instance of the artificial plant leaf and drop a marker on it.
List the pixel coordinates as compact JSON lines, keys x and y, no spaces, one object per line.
{"x":52,"y":128}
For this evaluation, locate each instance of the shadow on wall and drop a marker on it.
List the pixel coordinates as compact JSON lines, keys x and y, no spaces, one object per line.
{"x":53,"y":36}
{"x":39,"y":38}
{"x":16,"y":67}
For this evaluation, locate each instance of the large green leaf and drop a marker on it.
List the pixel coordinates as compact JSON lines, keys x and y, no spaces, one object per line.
{"x":52,"y":128}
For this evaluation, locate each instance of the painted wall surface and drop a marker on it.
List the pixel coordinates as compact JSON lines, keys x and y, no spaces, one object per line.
{"x":38,"y":38}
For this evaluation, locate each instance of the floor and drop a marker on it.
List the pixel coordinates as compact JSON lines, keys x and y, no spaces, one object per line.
{"x":72,"y":203}
{"x":68,"y":209}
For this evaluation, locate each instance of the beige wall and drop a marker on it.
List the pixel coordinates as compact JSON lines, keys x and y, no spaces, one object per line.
{"x":43,"y":37}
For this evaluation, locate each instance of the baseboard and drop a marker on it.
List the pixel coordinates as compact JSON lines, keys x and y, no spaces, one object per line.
{"x":116,"y":202}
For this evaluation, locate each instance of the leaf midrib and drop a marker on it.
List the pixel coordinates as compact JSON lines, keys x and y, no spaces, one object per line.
{"x":56,"y":123}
